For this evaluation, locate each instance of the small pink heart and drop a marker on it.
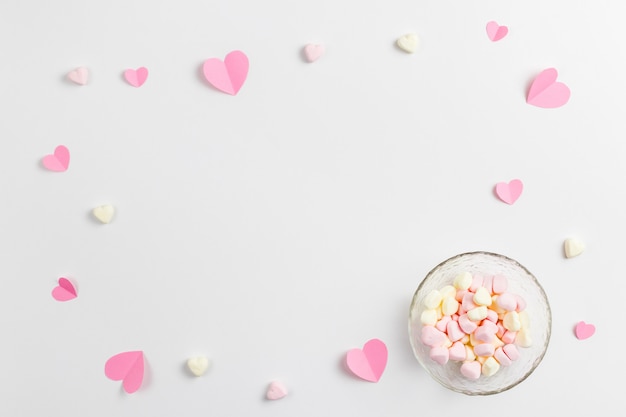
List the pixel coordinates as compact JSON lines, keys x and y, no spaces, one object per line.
{"x":79,"y":75}
{"x":126,"y":367}
{"x":276,"y":391}
{"x":546,"y":92}
{"x":584,"y":330}
{"x":368,"y":363}
{"x":509,"y":193}
{"x":228,"y":75}
{"x":65,"y":291}
{"x":137,"y":77}
{"x":313,"y":52}
{"x":495,"y":32}
{"x":59,"y":161}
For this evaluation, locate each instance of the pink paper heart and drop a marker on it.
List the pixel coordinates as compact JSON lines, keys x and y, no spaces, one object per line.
{"x":137,"y":77}
{"x":368,"y":363}
{"x":228,"y":75}
{"x":495,"y":32}
{"x":276,"y":391}
{"x":65,"y":291}
{"x":546,"y":92}
{"x":313,"y":52}
{"x":79,"y":75}
{"x":126,"y":367}
{"x":59,"y":161}
{"x":509,"y":192}
{"x":584,"y":330}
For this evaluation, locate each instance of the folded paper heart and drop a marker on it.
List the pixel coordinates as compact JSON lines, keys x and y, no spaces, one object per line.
{"x":584,"y":330}
{"x":509,"y":192}
{"x":368,"y":363}
{"x":104,"y":213}
{"x":546,"y":92}
{"x":313,"y":52}
{"x":79,"y":75}
{"x":127,"y":367}
{"x":59,"y":161}
{"x":408,"y":43}
{"x":136,"y":77}
{"x":198,"y":365}
{"x":495,"y":32}
{"x":229,"y":75}
{"x":65,"y":291}
{"x":276,"y":391}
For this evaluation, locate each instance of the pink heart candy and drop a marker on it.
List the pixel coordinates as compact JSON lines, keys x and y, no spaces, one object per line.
{"x":584,"y":330}
{"x":59,"y":161}
{"x":313,"y":52}
{"x":65,"y":291}
{"x":276,"y":391}
{"x":126,"y":367}
{"x":79,"y":75}
{"x":368,"y":363}
{"x":495,"y":32}
{"x":228,"y":75}
{"x":546,"y":92}
{"x":136,"y":77}
{"x":509,"y":192}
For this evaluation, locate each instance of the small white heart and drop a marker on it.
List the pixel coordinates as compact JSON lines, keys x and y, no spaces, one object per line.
{"x":408,"y":43}
{"x":276,"y":391}
{"x":104,"y":213}
{"x":573,"y":247}
{"x":198,"y":365}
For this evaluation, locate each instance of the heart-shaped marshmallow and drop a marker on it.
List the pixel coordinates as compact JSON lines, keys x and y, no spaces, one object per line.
{"x":408,"y":43}
{"x":79,"y":75}
{"x":276,"y":390}
{"x":198,"y":365}
{"x":104,"y":213}
{"x":368,"y":363}
{"x":313,"y":52}
{"x":573,"y":247}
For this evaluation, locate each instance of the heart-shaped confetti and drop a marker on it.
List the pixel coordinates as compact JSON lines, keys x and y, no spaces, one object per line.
{"x":573,"y":247}
{"x":408,"y":43}
{"x":313,"y":52}
{"x":65,"y":291}
{"x":126,"y":367}
{"x":198,"y":365}
{"x":136,"y":77}
{"x":584,"y":330}
{"x":509,"y":192}
{"x":368,"y":363}
{"x":276,"y":391}
{"x":79,"y":75}
{"x":546,"y":92}
{"x":104,"y":213}
{"x":228,"y":75}
{"x":495,"y":32}
{"x":59,"y":161}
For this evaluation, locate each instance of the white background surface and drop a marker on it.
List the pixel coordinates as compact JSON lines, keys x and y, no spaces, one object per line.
{"x":277,"y":229}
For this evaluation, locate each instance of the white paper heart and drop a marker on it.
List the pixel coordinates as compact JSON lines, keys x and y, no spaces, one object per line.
{"x":573,"y":247}
{"x":198,"y":365}
{"x":104,"y":213}
{"x":408,"y":43}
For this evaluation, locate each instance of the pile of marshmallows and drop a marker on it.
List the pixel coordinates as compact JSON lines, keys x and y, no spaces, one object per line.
{"x":477,"y":322}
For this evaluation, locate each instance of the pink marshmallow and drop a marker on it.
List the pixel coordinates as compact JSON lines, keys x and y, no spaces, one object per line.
{"x":521,"y":303}
{"x":477,"y":282}
{"x":500,"y":284}
{"x":492,"y":316}
{"x":466,"y":324}
{"x":440,"y":355}
{"x":506,"y":301}
{"x":508,"y":337}
{"x":488,"y":283}
{"x":471,"y":370}
{"x":459,"y":295}
{"x":501,"y":357}
{"x":501,"y":329}
{"x":511,"y":351}
{"x":457,"y":352}
{"x":433,"y":337}
{"x":468,"y":301}
{"x":485,"y":333}
{"x":454,"y":331}
{"x":484,"y":349}
{"x":442,"y":323}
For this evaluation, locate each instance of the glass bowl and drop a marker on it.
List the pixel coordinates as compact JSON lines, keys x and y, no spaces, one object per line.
{"x":520,"y":282}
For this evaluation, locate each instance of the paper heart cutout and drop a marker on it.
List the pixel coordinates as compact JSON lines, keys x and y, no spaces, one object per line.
{"x":495,"y":32}
{"x":408,"y":43}
{"x":509,"y":192}
{"x":79,"y":75}
{"x":59,"y":161}
{"x":198,"y":365}
{"x":584,"y":330}
{"x":546,"y":92}
{"x":573,"y":247}
{"x":65,"y":291}
{"x":127,"y":367}
{"x":104,"y":213}
{"x":229,"y":75}
{"x":313,"y":52}
{"x":136,"y":77}
{"x":276,"y":391}
{"x":368,"y":363}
